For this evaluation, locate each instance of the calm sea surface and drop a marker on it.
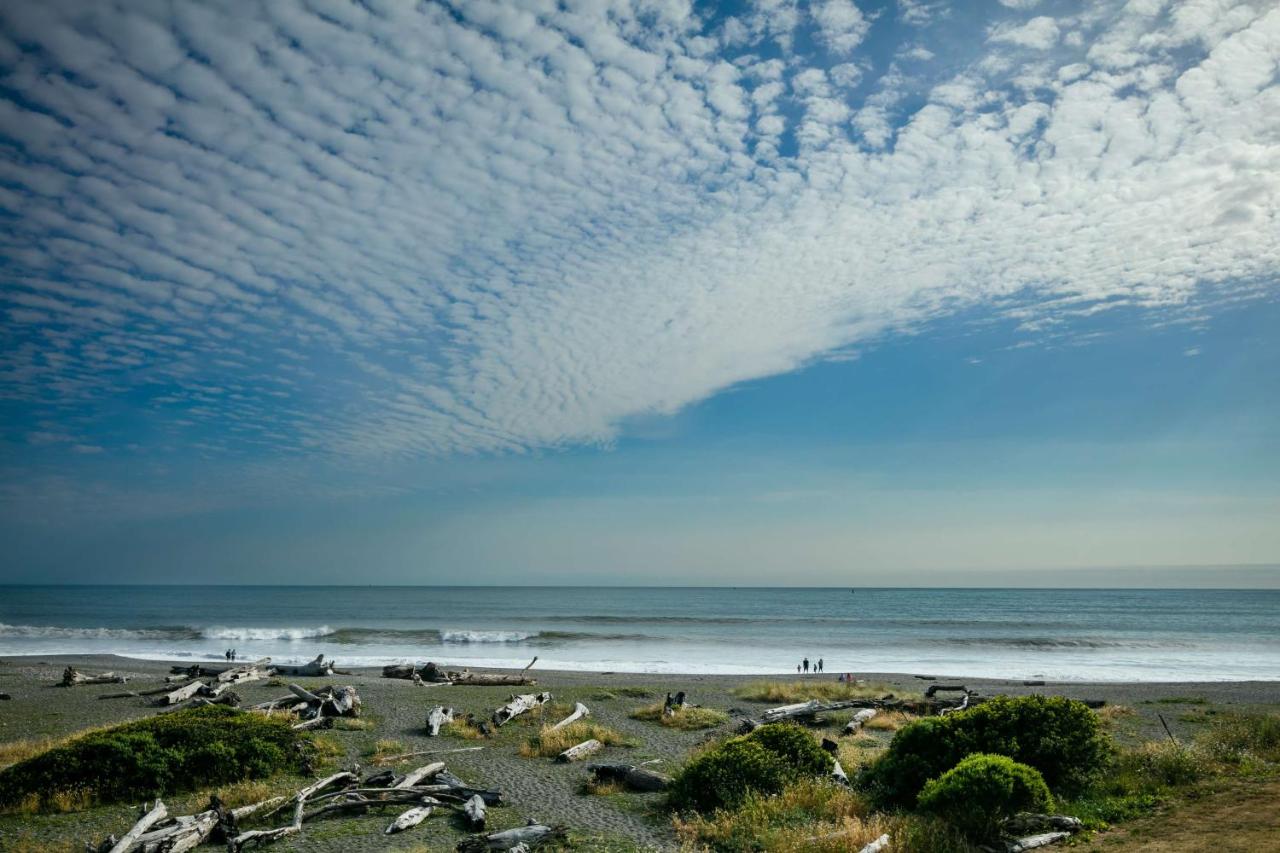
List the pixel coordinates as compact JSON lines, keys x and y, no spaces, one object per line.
{"x":1148,"y":635}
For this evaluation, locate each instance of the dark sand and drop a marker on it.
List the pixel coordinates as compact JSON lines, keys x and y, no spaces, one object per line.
{"x":532,"y":787}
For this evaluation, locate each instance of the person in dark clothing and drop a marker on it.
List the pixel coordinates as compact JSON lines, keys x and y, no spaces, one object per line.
{"x":805,"y":664}
{"x":819,"y":664}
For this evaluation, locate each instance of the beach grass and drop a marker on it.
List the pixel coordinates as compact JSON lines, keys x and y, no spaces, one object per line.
{"x":805,"y":691}
{"x":688,"y":718}
{"x":549,"y":742}
{"x":465,"y":728}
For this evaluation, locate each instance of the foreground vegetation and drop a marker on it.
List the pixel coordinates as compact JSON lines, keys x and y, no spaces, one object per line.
{"x":686,"y":718}
{"x":154,"y":756}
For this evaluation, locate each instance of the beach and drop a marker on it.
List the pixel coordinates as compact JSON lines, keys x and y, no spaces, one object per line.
{"x":537,"y":788}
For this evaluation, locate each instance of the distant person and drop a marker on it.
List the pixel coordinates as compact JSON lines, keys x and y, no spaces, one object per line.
{"x":797,"y":669}
{"x":819,"y":664}
{"x":227,"y":654}
{"x":233,"y":654}
{"x":805,"y":664}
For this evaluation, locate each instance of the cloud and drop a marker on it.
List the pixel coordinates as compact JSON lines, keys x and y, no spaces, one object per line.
{"x":416,"y":230}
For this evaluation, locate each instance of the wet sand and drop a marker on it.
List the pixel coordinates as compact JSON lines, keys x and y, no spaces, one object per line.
{"x":532,"y":787}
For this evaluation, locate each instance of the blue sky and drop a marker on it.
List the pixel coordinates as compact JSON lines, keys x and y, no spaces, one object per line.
{"x":777,"y":292}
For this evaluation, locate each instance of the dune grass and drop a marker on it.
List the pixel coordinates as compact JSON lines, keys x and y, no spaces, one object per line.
{"x":548,"y":743}
{"x":465,"y":728}
{"x":804,"y":691}
{"x":383,"y":748}
{"x":688,"y":718}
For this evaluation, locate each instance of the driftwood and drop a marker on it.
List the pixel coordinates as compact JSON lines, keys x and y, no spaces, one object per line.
{"x":936,"y":688}
{"x":813,"y":708}
{"x":436,"y":718}
{"x":71,"y":677}
{"x":314,"y":709}
{"x":258,"y":836}
{"x":579,"y":711}
{"x":859,"y":720}
{"x":409,"y":819}
{"x":1031,"y":842}
{"x":881,"y":843}
{"x":582,"y":750}
{"x":964,"y":703}
{"x":638,"y":778}
{"x":156,"y":814}
{"x":489,"y":679}
{"x":518,"y":705}
{"x":430,"y":674}
{"x":413,"y":777}
{"x":179,"y":834}
{"x":181,"y":694}
{"x":673,"y":704}
{"x":318,"y":668}
{"x":5,"y":697}
{"x":1027,"y":823}
{"x":510,"y":839}
{"x":475,"y":812}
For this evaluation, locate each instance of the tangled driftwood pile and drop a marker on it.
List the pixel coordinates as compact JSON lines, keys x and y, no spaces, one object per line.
{"x":429,"y":675}
{"x":316,"y":708}
{"x":423,"y":791}
{"x":71,"y":677}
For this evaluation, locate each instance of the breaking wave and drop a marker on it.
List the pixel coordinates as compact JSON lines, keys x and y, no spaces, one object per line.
{"x":56,"y":632}
{"x":342,"y":636}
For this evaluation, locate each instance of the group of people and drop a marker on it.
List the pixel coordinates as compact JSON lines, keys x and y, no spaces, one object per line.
{"x":230,"y":654}
{"x":804,"y":665}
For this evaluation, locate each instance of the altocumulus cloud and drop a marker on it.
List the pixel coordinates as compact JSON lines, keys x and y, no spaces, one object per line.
{"x":419,"y":228}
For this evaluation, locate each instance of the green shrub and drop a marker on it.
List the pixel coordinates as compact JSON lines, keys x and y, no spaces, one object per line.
{"x":1059,"y":737}
{"x":764,"y":761}
{"x":978,"y":794}
{"x":171,"y":752}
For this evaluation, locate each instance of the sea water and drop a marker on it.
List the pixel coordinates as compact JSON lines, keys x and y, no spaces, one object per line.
{"x":1131,"y":635}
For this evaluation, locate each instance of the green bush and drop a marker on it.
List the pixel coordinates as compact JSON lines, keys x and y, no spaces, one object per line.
{"x":1059,"y":737}
{"x":171,"y":752}
{"x":764,"y":761}
{"x":980,"y":792}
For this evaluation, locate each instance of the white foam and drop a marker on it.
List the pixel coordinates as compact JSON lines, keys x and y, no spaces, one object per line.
{"x":247,"y":634}
{"x":457,"y":636}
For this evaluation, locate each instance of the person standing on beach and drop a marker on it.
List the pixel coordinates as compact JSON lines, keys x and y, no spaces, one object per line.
{"x":797,"y":669}
{"x":819,"y":664}
{"x":805,"y":664}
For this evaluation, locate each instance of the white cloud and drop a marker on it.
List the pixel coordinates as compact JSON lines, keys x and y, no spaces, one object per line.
{"x":424,"y":231}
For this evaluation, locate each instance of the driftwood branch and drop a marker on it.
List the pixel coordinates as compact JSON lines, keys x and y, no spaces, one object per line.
{"x":156,"y":814}
{"x":436,"y":718}
{"x":518,"y":705}
{"x":475,"y":812}
{"x":259,"y":836}
{"x":579,"y":711}
{"x":510,"y":839}
{"x":71,"y":677}
{"x":637,"y":778}
{"x":582,"y":750}
{"x":859,"y":720}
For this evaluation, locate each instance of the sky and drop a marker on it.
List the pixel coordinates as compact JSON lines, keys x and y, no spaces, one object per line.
{"x":826,"y":293}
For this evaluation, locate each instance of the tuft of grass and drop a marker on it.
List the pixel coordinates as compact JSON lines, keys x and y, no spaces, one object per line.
{"x":1177,"y":700}
{"x":384,"y":748}
{"x":602,"y":787}
{"x":887,"y":722}
{"x":463,"y":727}
{"x":1243,"y":739}
{"x":548,"y":743}
{"x":804,"y":691}
{"x":1111,"y":715}
{"x":354,"y":724}
{"x":327,"y":749}
{"x":634,"y":692}
{"x":687,"y":718}
{"x":807,"y":815}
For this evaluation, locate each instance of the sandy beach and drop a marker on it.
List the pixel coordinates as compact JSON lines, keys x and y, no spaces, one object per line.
{"x":532,"y":787}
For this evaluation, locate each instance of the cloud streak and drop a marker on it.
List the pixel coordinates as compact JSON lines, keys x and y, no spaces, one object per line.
{"x":394,"y":229}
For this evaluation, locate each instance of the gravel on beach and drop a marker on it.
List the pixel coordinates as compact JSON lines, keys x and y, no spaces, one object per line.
{"x":535,"y":788}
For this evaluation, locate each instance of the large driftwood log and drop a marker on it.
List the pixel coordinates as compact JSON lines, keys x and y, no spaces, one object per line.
{"x":436,"y":718}
{"x":1031,"y":842}
{"x":71,"y":677}
{"x":489,"y":679}
{"x":881,"y":843}
{"x":413,"y":778}
{"x":1029,"y":823}
{"x":813,"y":708}
{"x":964,"y":703}
{"x":409,"y":819}
{"x":509,"y":839}
{"x":475,"y":812}
{"x":181,"y":694}
{"x":518,"y":705}
{"x":579,"y":711}
{"x":156,"y":814}
{"x":637,"y":778}
{"x":673,"y":704}
{"x":937,"y":688}
{"x":259,"y":836}
{"x":318,"y":668}
{"x":582,"y":750}
{"x":859,"y":720}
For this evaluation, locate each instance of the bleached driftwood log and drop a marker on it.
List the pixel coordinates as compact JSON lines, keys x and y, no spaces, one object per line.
{"x":637,"y":778}
{"x":409,"y":819}
{"x":876,"y":846}
{"x":1031,"y":842}
{"x":518,"y":705}
{"x":185,"y":832}
{"x":673,"y":704}
{"x":71,"y":677}
{"x":859,"y":720}
{"x":181,"y":694}
{"x":582,"y":750}
{"x":318,"y":668}
{"x":436,"y":718}
{"x":259,"y":836}
{"x":509,"y":839}
{"x":392,"y":759}
{"x":1030,"y":823}
{"x":413,"y":778}
{"x":314,"y":708}
{"x":964,"y":703}
{"x":475,"y":812}
{"x":813,"y":708}
{"x":156,"y":814}
{"x":579,"y":711}
{"x":489,"y":679}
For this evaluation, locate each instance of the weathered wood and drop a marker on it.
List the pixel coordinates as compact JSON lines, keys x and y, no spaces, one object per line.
{"x":181,"y":694}
{"x":638,"y":778}
{"x":936,"y":688}
{"x":673,"y":704}
{"x":413,"y":777}
{"x":582,"y":750}
{"x":157,"y":813}
{"x":258,"y":836}
{"x":72,"y":677}
{"x":1031,"y":842}
{"x":813,"y":708}
{"x":509,"y":839}
{"x":475,"y":812}
{"x":489,"y":679}
{"x":859,"y":720}
{"x":837,"y":772}
{"x":881,"y":843}
{"x":518,"y":705}
{"x":318,"y":668}
{"x":436,"y":718}
{"x":1030,"y":823}
{"x":964,"y":703}
{"x":409,"y":819}
{"x":579,"y":711}
{"x":236,"y":673}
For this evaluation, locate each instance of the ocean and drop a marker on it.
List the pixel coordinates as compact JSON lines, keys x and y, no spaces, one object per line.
{"x":1095,"y":635}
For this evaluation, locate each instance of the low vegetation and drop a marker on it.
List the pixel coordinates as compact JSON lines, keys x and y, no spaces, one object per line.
{"x":550,"y":742}
{"x":463,"y":727}
{"x":980,"y":792}
{"x":153,"y":756}
{"x":763,"y":762}
{"x":688,"y":718}
{"x":805,"y":691}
